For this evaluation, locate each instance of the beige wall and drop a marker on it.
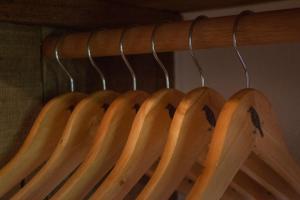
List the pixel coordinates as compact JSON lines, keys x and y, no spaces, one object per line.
{"x":274,"y":69}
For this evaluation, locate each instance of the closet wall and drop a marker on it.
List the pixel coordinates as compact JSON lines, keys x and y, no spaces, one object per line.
{"x":20,"y":84}
{"x":274,"y":69}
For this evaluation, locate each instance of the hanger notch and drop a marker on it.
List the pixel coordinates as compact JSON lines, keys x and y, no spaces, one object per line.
{"x":210,"y":116}
{"x":105,"y":106}
{"x":171,"y":110}
{"x":136,"y":107}
{"x":256,"y":120}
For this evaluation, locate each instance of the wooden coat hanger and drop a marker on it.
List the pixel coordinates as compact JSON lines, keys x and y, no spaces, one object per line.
{"x":72,"y":147}
{"x":144,"y":146}
{"x":42,"y":138}
{"x":236,"y":138}
{"x":247,"y":134}
{"x":108,"y":143}
{"x":189,"y":137}
{"x":145,"y":142}
{"x":40,"y":142}
{"x":242,"y":183}
{"x":243,"y":186}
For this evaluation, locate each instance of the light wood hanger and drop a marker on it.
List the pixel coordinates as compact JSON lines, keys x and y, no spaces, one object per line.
{"x":236,"y":138}
{"x":241,"y":182}
{"x":75,"y":141}
{"x":43,"y":136}
{"x":145,"y":142}
{"x":144,"y":146}
{"x":247,"y":133}
{"x":40,"y":142}
{"x":188,"y":142}
{"x":189,"y":137}
{"x":72,"y":147}
{"x":244,"y":188}
{"x":109,"y":141}
{"x":235,"y":191}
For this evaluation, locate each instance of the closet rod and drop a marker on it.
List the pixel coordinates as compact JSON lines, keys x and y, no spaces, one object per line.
{"x":270,"y":27}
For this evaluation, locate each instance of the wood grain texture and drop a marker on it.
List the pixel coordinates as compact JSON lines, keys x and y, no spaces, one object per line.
{"x":234,"y":140}
{"x":243,"y":184}
{"x":246,"y":185}
{"x":256,"y":29}
{"x":72,"y":147}
{"x":269,"y":178}
{"x":26,"y":82}
{"x":232,"y":194}
{"x":110,"y":138}
{"x":79,"y":13}
{"x":188,"y":138}
{"x":228,"y":150}
{"x":144,"y":145}
{"x":40,"y":142}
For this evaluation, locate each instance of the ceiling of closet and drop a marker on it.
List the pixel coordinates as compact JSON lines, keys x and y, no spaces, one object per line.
{"x":100,"y":13}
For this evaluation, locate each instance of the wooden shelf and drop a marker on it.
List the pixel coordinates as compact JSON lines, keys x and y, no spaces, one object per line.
{"x":191,"y":5}
{"x":104,"y":13}
{"x":79,"y":13}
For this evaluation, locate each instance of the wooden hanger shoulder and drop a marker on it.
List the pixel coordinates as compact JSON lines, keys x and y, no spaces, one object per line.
{"x":250,"y":188}
{"x":72,"y":147}
{"x":109,"y":142}
{"x":144,"y":146}
{"x":244,"y":121}
{"x":188,"y":138}
{"x":232,"y":194}
{"x":41,"y":140}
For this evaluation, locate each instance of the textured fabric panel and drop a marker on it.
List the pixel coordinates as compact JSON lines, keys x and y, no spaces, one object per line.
{"x":20,"y":84}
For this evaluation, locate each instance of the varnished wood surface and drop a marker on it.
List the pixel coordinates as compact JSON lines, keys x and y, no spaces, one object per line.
{"x":246,"y":185}
{"x":40,"y":142}
{"x":242,"y":183}
{"x":144,"y":145}
{"x":269,"y":178}
{"x":255,"y":29}
{"x":189,"y":137}
{"x":72,"y":147}
{"x":108,"y":144}
{"x":235,"y":138}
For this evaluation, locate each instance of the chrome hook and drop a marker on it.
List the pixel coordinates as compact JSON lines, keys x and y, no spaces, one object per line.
{"x":237,"y":52}
{"x":57,"y":56}
{"x":132,"y":73}
{"x":192,"y":51}
{"x":93,"y":63}
{"x":162,"y":66}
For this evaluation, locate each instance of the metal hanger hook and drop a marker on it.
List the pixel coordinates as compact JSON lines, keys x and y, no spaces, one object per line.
{"x":237,"y":52}
{"x":57,"y":56}
{"x":192,"y":53}
{"x":93,"y":63}
{"x":162,"y":66}
{"x":132,"y":73}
